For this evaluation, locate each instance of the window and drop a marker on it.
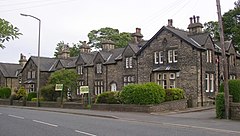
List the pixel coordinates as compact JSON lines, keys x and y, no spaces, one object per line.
{"x":232,"y":60}
{"x":175,"y":54}
{"x":209,"y":82}
{"x":80,"y":70}
{"x":31,"y":75}
{"x":128,"y":61}
{"x":167,"y":80}
{"x":209,"y":56}
{"x":232,"y":77}
{"x":80,"y":83}
{"x":128,"y":80}
{"x":161,"y":57}
{"x":170,"y":56}
{"x":98,"y":87}
{"x":99,"y":68}
{"x":30,"y":88}
{"x":156,"y":57}
{"x":113,"y":87}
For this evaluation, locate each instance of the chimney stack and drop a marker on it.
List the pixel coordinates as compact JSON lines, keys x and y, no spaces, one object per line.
{"x":22,"y":60}
{"x":170,"y":23}
{"x":137,"y":36}
{"x":195,"y":27}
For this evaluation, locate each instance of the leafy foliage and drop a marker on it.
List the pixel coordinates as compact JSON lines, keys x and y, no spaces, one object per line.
{"x":213,"y":28}
{"x":109,"y":34}
{"x":5,"y":92}
{"x":220,"y":107}
{"x":7,"y":32}
{"x":108,"y":98}
{"x":31,"y":95}
{"x":67,"y":77}
{"x":174,"y":94}
{"x":143,"y":94}
{"x":21,"y":93}
{"x":234,"y":89}
{"x":48,"y":93}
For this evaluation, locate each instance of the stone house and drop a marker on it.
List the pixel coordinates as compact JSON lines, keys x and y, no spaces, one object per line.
{"x":172,"y":58}
{"x":9,"y":73}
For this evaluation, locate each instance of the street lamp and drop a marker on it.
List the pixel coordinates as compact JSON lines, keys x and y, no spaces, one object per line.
{"x":38,"y":58}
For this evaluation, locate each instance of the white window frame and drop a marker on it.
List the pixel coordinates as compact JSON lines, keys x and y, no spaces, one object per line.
{"x":80,"y":70}
{"x":211,"y":82}
{"x":113,"y":87}
{"x":99,"y":68}
{"x":156,"y":58}
{"x":175,"y":55}
{"x":207,"y":82}
{"x":29,"y":76}
{"x":170,"y":56}
{"x":127,"y":62}
{"x":31,"y":88}
{"x":130,"y":62}
{"x":209,"y":56}
{"x":161,"y":57}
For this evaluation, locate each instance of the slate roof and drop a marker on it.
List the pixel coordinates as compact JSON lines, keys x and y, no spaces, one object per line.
{"x":45,"y":63}
{"x":115,"y":54}
{"x":10,"y":69}
{"x":184,"y":35}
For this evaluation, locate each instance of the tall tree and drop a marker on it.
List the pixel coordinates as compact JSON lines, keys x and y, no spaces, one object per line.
{"x":74,"y":51}
{"x":231,"y":25}
{"x":110,"y":34}
{"x":7,"y":32}
{"x":66,"y":77}
{"x":59,"y":48}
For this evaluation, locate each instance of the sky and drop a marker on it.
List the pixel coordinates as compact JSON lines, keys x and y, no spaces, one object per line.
{"x":71,"y":20}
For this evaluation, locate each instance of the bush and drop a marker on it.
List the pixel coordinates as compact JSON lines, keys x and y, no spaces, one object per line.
{"x":31,"y":95}
{"x":21,"y":93}
{"x":220,"y":107}
{"x":108,"y":98}
{"x":5,"y":93}
{"x":35,"y":99}
{"x":234,"y":89}
{"x":174,"y":94}
{"x":143,"y":94}
{"x":48,"y":93}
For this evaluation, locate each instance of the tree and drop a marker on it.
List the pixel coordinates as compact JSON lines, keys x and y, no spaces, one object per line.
{"x":59,"y":48}
{"x":74,"y":51}
{"x":231,"y":25}
{"x":66,"y":77}
{"x":7,"y":32}
{"x":109,"y":34}
{"x":212,"y":27}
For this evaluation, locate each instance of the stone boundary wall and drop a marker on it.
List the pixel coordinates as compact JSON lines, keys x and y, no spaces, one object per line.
{"x":235,"y":110}
{"x":166,"y":106}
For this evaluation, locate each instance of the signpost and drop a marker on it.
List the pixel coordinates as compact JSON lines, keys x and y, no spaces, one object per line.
{"x":59,"y":87}
{"x":85,"y":90}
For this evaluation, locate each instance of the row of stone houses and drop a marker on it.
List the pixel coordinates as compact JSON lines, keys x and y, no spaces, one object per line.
{"x":172,"y":57}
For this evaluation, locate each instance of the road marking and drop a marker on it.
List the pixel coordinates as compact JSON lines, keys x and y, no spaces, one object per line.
{"x":18,"y":117}
{"x":45,"y":123}
{"x":85,"y":133}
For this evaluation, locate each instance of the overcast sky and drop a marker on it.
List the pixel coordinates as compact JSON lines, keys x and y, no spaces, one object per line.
{"x":71,"y":20}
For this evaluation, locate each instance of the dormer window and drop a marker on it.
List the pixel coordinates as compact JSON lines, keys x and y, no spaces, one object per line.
{"x":99,"y":68}
{"x":128,"y":61}
{"x":209,"y":56}
{"x":80,"y":70}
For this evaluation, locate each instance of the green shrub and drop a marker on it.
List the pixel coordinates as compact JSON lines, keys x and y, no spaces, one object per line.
{"x":31,"y":95}
{"x":5,"y":92}
{"x":108,"y":98}
{"x":48,"y":93}
{"x":21,"y":93}
{"x":35,"y":99}
{"x":234,"y":89}
{"x":174,"y":94}
{"x":143,"y":94}
{"x":220,"y":107}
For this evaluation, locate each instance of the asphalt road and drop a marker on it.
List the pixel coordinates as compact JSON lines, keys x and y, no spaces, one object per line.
{"x":24,"y":122}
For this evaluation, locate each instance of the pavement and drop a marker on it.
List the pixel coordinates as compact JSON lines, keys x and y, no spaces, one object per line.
{"x":111,"y":114}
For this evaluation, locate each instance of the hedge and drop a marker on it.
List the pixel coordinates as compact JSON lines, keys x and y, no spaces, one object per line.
{"x":174,"y":94}
{"x":5,"y":92}
{"x":108,"y":98}
{"x":31,"y":95}
{"x":234,"y":89}
{"x":48,"y":92}
{"x":143,"y":94}
{"x":220,"y":106}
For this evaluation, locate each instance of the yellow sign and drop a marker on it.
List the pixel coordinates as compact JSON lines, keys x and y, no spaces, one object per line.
{"x":59,"y":87}
{"x":84,"y":89}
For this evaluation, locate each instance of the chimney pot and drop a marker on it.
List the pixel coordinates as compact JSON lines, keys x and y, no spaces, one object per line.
{"x":138,"y":30}
{"x":170,"y":22}
{"x":194,"y":19}
{"x":198,"y":19}
{"x":191,"y":20}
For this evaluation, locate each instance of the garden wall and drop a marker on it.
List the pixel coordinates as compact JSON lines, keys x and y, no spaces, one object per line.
{"x":235,"y":110}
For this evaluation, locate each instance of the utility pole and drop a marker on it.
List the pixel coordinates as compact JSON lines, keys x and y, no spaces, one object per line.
{"x":224,"y":60}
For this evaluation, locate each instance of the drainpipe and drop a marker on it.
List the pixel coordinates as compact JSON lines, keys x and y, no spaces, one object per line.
{"x":106,"y":78}
{"x":201,"y":76}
